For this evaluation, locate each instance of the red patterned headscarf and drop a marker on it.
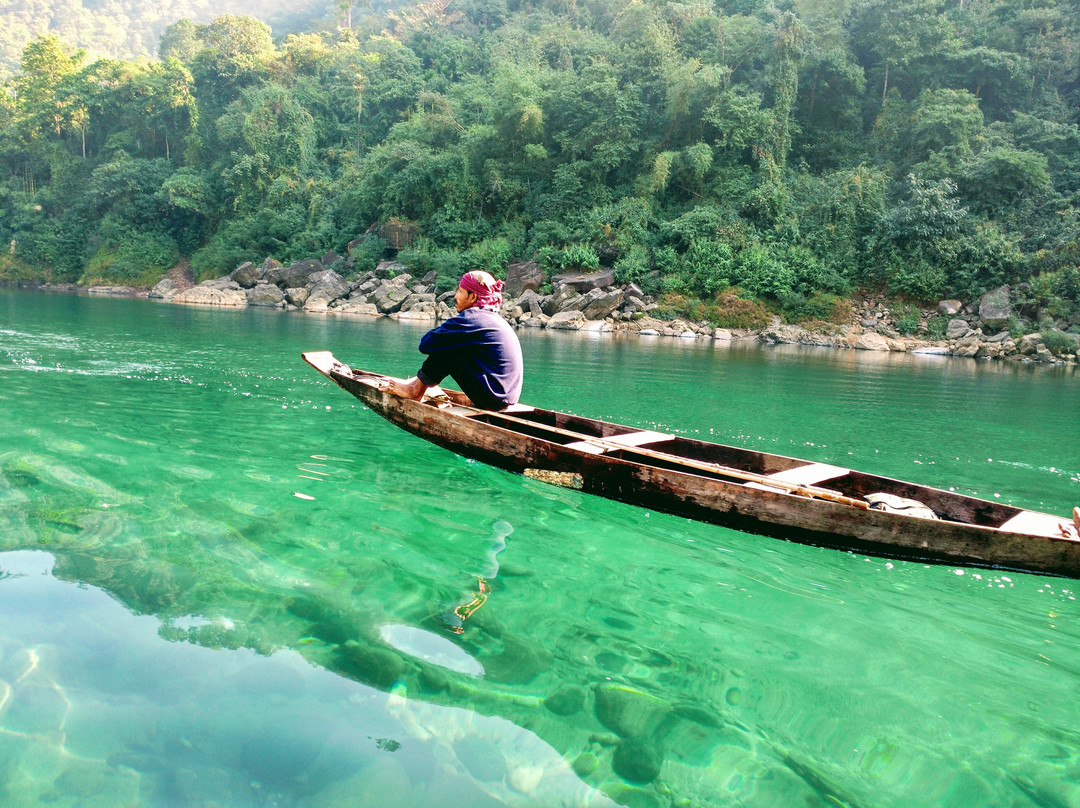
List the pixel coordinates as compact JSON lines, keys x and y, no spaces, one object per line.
{"x":488,"y":291}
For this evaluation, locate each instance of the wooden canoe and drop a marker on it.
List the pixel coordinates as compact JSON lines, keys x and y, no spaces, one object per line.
{"x":784,"y":497}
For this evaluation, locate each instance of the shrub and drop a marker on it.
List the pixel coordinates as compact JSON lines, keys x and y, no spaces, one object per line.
{"x":580,"y":256}
{"x":809,"y":272}
{"x":905,"y":318}
{"x":820,"y":307}
{"x":936,"y":327}
{"x":792,"y":305}
{"x":919,"y":280}
{"x":576,"y":256}
{"x":367,"y":254}
{"x":707,"y":267}
{"x":14,"y":270}
{"x":423,"y":257}
{"x":633,"y":267}
{"x":139,"y":259}
{"x":761,"y":275}
{"x":1058,"y":342}
{"x":1058,"y":293}
{"x":666,"y":260}
{"x":491,"y":255}
{"x":729,"y":310}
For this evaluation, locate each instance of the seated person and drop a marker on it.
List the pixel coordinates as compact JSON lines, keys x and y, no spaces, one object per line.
{"x":477,"y":348}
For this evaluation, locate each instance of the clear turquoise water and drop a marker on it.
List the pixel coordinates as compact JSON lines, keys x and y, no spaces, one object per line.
{"x":225,"y":583}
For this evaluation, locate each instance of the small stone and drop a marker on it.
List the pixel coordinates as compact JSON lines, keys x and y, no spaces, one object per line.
{"x":567,"y":700}
{"x":637,"y":760}
{"x":585,"y":763}
{"x":525,"y":779}
{"x":519,"y":663}
{"x":629,"y":712}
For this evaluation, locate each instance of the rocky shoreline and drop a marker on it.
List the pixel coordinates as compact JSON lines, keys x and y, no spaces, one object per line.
{"x":593,"y":302}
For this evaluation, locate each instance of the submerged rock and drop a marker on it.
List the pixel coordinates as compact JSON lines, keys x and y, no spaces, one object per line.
{"x":374,"y":666}
{"x":629,"y":712}
{"x":567,"y":700}
{"x":637,"y":760}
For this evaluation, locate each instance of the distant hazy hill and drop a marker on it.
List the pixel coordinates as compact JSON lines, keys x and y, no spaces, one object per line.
{"x":127,"y":29}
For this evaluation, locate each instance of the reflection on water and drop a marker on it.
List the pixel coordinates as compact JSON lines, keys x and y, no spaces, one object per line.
{"x":96,"y":710}
{"x":255,"y":592}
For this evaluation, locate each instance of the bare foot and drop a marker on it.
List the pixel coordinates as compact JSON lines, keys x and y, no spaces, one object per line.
{"x":413,"y":388}
{"x":1076,"y":520}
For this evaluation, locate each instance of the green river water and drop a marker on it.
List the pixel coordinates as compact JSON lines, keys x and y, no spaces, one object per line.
{"x":223,"y":582}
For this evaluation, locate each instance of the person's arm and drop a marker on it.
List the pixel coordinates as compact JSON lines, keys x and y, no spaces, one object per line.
{"x":415,"y":389}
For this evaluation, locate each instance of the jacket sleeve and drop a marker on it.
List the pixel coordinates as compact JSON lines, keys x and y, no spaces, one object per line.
{"x":451,"y":334}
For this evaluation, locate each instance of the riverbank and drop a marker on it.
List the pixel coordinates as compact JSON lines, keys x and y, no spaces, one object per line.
{"x":593,"y":302}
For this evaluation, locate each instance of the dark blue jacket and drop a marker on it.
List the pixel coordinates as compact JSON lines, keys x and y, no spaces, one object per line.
{"x":481,"y":352}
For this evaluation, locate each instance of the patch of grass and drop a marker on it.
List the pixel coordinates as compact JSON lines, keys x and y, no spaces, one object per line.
{"x":905,"y":318}
{"x":936,"y":327}
{"x":14,"y":270}
{"x":820,"y":309}
{"x":724,"y":310}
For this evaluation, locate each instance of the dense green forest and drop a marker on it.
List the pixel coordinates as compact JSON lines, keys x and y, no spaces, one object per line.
{"x":128,"y":29}
{"x":794,"y":152}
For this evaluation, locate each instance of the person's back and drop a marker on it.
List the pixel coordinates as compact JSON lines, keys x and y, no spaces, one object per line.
{"x":477,"y":348}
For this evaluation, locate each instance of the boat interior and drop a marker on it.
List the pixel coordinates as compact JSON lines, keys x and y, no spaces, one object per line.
{"x":676,"y":453}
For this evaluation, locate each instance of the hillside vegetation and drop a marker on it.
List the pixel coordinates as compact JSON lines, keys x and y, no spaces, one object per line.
{"x":130,"y":29}
{"x":794,"y":152}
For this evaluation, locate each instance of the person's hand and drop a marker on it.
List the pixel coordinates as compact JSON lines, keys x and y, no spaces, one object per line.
{"x":458,"y":398}
{"x":411,"y":388}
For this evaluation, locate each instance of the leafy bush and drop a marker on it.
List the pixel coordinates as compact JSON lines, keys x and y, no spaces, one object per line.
{"x":14,"y":270}
{"x":423,"y":257}
{"x":919,"y":280}
{"x":905,"y":318}
{"x":633,"y":267}
{"x":810,"y":272}
{"x":367,"y":254}
{"x":936,"y":327}
{"x":491,"y":255}
{"x":760,"y":274}
{"x":819,"y":308}
{"x":666,"y":260}
{"x":140,"y":259}
{"x":576,"y":256}
{"x":1059,"y":343}
{"x":707,"y":267}
{"x":1058,"y":293}
{"x":729,"y":310}
{"x":218,"y":257}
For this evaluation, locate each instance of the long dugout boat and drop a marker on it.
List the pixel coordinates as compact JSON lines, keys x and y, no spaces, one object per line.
{"x":757,"y":492}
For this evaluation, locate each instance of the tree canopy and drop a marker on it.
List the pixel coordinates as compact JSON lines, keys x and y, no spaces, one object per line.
{"x":789,"y":149}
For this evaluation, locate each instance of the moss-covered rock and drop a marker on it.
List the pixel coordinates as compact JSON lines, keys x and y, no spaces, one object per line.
{"x":628,"y":712}
{"x":637,"y":760}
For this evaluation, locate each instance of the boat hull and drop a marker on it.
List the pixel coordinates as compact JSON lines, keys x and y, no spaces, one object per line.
{"x":644,"y":478}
